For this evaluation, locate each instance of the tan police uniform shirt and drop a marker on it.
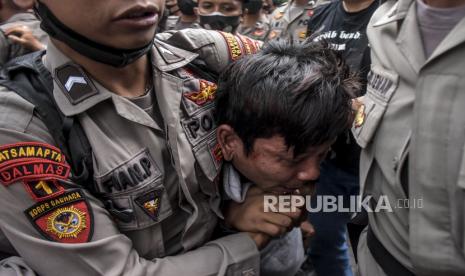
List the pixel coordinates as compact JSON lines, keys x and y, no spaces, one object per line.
{"x":291,"y":25}
{"x":158,"y":171}
{"x":259,"y":31}
{"x":414,"y":107}
{"x":9,"y":50}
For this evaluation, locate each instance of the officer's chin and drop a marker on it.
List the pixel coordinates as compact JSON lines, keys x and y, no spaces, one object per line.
{"x":134,"y":41}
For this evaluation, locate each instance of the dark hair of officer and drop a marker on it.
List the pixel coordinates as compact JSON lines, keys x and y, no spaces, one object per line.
{"x":287,"y":89}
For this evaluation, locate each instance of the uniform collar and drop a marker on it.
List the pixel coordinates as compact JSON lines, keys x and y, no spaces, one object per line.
{"x":164,"y":57}
{"x":167,"y":57}
{"x":54,"y":61}
{"x":398,"y":12}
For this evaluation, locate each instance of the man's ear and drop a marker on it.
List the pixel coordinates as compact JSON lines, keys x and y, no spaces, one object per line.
{"x":196,"y":11}
{"x":228,"y":141}
{"x":24,"y":4}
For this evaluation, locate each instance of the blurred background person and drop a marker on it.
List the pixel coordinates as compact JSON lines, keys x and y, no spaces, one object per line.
{"x":185,"y":18}
{"x":255,"y":23}
{"x":19,"y":30}
{"x":220,"y":15}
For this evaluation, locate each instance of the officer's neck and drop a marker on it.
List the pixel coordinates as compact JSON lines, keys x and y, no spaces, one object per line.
{"x":185,"y":18}
{"x":356,"y":5}
{"x":249,"y":19}
{"x":129,"y":81}
{"x":444,"y":3}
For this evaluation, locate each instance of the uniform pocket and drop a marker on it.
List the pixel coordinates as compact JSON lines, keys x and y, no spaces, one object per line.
{"x":381,"y":87}
{"x":134,"y":194}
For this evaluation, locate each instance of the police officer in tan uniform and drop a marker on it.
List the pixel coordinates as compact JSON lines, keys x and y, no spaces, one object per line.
{"x":411,"y":128}
{"x":290,"y":20}
{"x":255,"y":23}
{"x":186,"y":19}
{"x":20,"y":32}
{"x":153,"y":201}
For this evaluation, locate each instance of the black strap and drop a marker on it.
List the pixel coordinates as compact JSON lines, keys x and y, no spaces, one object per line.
{"x":390,"y":265}
{"x":28,"y":77}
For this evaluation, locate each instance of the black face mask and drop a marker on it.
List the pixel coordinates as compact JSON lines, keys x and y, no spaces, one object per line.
{"x":187,"y":6}
{"x":253,"y":6}
{"x":101,"y":53}
{"x":218,"y":21}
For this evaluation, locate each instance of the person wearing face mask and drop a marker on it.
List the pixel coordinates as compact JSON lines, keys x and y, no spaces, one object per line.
{"x":171,"y":9}
{"x":186,"y":19}
{"x":220,"y":15}
{"x":255,"y":23}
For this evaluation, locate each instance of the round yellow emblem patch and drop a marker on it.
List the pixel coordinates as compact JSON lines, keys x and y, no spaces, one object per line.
{"x":360,"y":116}
{"x":66,"y":222}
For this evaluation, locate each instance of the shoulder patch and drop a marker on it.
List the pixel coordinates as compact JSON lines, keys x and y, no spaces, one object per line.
{"x":250,"y":46}
{"x":360,"y":116}
{"x":66,"y":218}
{"x":234,"y":46}
{"x":75,"y":83}
{"x":13,"y":153}
{"x":43,"y":189}
{"x":206,"y":93}
{"x":151,"y":202}
{"x":33,"y":169}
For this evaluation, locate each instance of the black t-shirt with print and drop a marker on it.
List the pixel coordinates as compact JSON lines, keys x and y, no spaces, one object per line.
{"x":346,"y":32}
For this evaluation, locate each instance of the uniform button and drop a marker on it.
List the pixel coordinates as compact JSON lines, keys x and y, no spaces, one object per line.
{"x":395,"y":163}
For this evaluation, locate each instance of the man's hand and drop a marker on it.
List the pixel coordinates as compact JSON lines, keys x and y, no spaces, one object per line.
{"x":23,"y":36}
{"x":260,"y":239}
{"x":249,"y":216}
{"x":307,"y":232}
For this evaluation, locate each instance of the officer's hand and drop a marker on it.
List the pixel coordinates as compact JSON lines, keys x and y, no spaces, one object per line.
{"x":250,"y":216}
{"x":23,"y":36}
{"x":307,"y":232}
{"x":260,"y":239}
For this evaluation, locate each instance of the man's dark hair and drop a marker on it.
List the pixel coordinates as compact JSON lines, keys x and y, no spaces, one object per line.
{"x":299,"y":91}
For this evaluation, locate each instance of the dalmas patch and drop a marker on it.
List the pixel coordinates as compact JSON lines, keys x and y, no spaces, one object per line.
{"x":33,"y":169}
{"x":66,"y":218}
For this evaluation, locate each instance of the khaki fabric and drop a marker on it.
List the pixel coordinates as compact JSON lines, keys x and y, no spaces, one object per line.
{"x":413,"y":121}
{"x":179,"y":165}
{"x":10,"y":50}
{"x":294,"y":27}
{"x":259,"y":31}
